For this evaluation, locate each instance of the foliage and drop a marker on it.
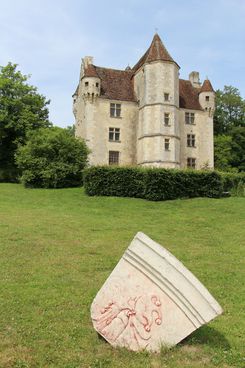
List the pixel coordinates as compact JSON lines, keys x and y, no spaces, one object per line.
{"x":52,"y":158}
{"x":238,"y":148}
{"x":152,"y":184}
{"x":232,"y":181}
{"x":230,"y":110}
{"x":71,"y":129}
{"x":22,"y":110}
{"x":222,"y":152}
{"x":229,"y":130}
{"x":59,"y":246}
{"x":114,"y":181}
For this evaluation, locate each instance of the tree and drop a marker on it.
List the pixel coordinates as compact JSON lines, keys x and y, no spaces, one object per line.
{"x":22,"y":110}
{"x":238,"y":148}
{"x":52,"y":158}
{"x":222,"y":152}
{"x":230,"y":110}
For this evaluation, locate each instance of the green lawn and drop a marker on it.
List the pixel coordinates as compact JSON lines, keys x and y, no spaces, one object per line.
{"x":57,"y":247}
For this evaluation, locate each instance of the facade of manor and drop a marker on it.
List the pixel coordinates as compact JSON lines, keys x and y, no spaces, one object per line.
{"x":145,"y":115}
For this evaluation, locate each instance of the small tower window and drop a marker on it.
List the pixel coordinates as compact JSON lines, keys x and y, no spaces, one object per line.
{"x":86,"y":84}
{"x":166,"y":119}
{"x":97,"y":84}
{"x":207,"y":98}
{"x":166,"y":144}
{"x":166,"y":96}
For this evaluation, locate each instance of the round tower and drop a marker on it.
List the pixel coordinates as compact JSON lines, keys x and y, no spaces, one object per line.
{"x":157,"y":88}
{"x":90,"y":83}
{"x":207,"y":97}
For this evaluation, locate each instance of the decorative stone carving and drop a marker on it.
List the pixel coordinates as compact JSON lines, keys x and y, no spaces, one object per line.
{"x":150,"y":299}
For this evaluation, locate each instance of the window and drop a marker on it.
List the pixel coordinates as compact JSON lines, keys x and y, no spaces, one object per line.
{"x":166,"y":96}
{"x":189,"y":118}
{"x":115,"y":110}
{"x":97,"y":84}
{"x":166,"y":118}
{"x":191,"y":163}
{"x":166,"y":144}
{"x":86,"y":84}
{"x":113,"y":157}
{"x":114,"y":134}
{"x":207,"y":98}
{"x":191,"y":140}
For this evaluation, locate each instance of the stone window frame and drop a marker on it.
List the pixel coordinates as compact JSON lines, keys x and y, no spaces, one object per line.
{"x":115,"y":110}
{"x":191,"y":162}
{"x":191,"y":140}
{"x":167,"y":119}
{"x":207,"y":98}
{"x":114,"y":134}
{"x":86,"y":84}
{"x":167,"y":144}
{"x":166,"y":97}
{"x":190,"y":118}
{"x":114,"y":157}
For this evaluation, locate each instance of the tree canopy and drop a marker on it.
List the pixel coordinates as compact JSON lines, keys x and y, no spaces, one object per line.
{"x":22,"y":109}
{"x":229,"y":130}
{"x":52,"y":158}
{"x":230,"y":110}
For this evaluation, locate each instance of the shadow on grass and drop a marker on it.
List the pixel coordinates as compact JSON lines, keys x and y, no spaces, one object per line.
{"x":209,"y":336}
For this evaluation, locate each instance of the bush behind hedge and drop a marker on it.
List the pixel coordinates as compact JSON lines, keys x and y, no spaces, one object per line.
{"x":152,"y":183}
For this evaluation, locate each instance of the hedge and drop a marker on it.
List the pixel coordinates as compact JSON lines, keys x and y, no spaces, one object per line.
{"x":157,"y":184}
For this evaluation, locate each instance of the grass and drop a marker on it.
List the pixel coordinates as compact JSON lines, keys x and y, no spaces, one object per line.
{"x":57,"y":247}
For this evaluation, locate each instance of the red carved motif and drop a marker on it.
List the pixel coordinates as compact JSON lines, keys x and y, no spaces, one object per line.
{"x":134,"y":320}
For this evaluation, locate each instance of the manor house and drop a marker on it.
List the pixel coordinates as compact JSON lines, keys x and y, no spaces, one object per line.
{"x":145,"y":115}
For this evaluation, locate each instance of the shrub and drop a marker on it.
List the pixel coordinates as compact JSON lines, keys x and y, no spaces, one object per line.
{"x":114,"y":181}
{"x":52,"y":158}
{"x":152,"y":184}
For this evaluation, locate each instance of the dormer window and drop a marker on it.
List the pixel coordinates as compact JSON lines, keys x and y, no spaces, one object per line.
{"x":166,"y":96}
{"x":86,"y":84}
{"x":207,"y":98}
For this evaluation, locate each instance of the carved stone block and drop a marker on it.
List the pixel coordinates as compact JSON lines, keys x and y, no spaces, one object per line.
{"x":150,"y":299}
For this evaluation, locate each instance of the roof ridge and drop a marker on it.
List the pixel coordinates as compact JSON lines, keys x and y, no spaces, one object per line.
{"x":116,"y":70}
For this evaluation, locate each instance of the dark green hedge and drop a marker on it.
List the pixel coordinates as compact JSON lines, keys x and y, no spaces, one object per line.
{"x":114,"y":181}
{"x":152,"y":184}
{"x":232,"y":180}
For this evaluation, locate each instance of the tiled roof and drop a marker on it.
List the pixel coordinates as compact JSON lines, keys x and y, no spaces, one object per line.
{"x":116,"y":84}
{"x":90,"y":71}
{"x":188,"y":95}
{"x":156,"y":51}
{"x":207,"y":86}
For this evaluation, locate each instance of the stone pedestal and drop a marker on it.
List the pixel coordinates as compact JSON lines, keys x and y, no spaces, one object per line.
{"x":150,"y":299}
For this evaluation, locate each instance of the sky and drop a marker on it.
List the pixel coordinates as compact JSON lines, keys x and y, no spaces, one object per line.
{"x":48,"y":38}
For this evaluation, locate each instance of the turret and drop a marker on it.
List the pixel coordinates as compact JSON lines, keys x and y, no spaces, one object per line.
{"x":90,"y":81}
{"x":156,"y":83}
{"x":207,"y":97}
